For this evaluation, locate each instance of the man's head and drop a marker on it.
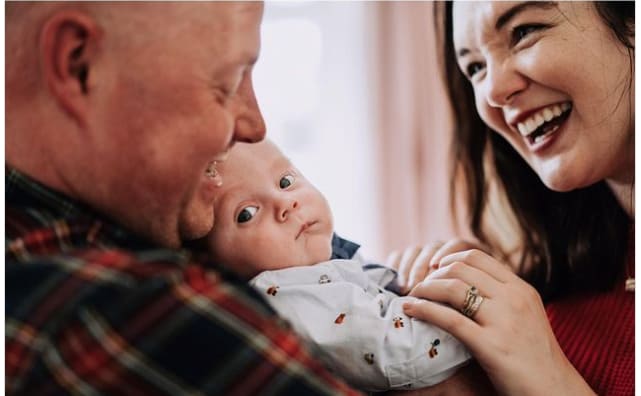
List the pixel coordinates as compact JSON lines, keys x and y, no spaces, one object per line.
{"x":268,"y":216}
{"x":124,"y":105}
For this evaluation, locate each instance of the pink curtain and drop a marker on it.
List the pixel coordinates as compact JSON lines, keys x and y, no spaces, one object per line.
{"x":413,"y":126}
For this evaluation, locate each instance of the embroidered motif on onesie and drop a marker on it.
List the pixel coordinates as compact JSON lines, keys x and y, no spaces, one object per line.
{"x":272,"y":290}
{"x":324,"y":279}
{"x":369,"y":358}
{"x":433,"y":352}
{"x":398,"y":322}
{"x":340,"y":318}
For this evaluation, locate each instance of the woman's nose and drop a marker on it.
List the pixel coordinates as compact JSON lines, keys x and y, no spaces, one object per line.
{"x":284,"y":208}
{"x":504,"y":83}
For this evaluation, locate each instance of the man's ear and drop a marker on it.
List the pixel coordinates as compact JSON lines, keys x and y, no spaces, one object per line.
{"x":67,"y":46}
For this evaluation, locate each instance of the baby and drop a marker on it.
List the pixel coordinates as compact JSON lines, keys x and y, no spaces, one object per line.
{"x":276,"y":229}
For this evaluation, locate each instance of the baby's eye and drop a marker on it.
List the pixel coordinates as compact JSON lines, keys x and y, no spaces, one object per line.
{"x":246,"y":214}
{"x":286,"y":181}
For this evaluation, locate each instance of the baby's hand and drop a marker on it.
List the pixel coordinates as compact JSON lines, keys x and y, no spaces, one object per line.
{"x":412,"y":264}
{"x":417,"y":262}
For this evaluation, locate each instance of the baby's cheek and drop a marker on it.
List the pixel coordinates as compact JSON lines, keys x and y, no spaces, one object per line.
{"x":323,"y":252}
{"x":278,"y":258}
{"x":328,"y":251}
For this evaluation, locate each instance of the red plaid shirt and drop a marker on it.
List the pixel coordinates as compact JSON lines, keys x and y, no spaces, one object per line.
{"x":91,"y":309}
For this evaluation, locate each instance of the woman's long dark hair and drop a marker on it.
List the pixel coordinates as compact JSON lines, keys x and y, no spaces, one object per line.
{"x":572,"y":241}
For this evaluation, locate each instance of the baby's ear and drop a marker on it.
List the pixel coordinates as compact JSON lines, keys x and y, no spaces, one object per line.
{"x":67,"y":49}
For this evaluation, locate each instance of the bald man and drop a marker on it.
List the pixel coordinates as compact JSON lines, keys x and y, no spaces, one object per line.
{"x":116,"y":115}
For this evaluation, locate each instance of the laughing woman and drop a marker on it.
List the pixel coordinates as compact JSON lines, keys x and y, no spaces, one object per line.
{"x":543,"y":94}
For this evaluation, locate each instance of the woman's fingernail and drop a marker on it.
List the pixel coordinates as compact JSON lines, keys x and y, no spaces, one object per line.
{"x":434,"y":265}
{"x":407,"y":306}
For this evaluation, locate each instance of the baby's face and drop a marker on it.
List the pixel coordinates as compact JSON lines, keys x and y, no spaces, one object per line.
{"x":268,"y":216}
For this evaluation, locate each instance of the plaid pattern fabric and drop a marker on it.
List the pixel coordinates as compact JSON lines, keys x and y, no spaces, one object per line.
{"x":91,"y":310}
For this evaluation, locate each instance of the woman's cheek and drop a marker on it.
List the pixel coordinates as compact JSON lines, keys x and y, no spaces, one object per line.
{"x":492,"y":117}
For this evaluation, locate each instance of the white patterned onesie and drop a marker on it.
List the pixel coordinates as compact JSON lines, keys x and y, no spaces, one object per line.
{"x":359,"y":327}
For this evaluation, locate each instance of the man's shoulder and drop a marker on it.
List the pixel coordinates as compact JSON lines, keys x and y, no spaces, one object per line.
{"x":160,"y":304}
{"x":62,"y":247}
{"x":116,"y":267}
{"x":99,"y":264}
{"x":150,"y":291}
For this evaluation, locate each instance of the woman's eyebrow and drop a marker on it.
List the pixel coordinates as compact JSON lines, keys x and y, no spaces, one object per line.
{"x":510,"y":13}
{"x":462,"y":52}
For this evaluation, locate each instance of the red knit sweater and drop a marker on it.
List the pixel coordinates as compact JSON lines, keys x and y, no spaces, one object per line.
{"x":596,"y":333}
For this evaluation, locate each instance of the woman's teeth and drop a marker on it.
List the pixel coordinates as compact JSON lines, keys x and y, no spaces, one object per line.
{"x":538,"y":138}
{"x":536,"y":120}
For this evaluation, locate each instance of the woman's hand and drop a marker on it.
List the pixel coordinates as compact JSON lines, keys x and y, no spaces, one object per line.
{"x":415,"y":263}
{"x":509,"y":334}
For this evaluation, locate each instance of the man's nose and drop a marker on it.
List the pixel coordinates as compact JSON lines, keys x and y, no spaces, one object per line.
{"x":503,"y":83}
{"x":284,"y":208}
{"x":249,"y":125}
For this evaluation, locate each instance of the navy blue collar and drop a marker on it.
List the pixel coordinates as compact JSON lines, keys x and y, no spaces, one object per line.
{"x":342,"y":248}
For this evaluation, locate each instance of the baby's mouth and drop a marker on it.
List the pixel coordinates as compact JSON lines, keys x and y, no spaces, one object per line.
{"x":305,"y":227}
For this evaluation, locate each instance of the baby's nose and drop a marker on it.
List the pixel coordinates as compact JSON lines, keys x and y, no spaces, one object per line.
{"x":285,"y":208}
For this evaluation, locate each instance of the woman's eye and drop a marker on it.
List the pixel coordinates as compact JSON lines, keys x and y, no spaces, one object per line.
{"x":286,"y":181}
{"x":473,"y":68}
{"x":246,"y":214}
{"x":520,"y":32}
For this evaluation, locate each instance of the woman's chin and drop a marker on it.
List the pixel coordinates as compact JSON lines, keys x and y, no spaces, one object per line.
{"x":562,"y":182}
{"x":558,"y":186}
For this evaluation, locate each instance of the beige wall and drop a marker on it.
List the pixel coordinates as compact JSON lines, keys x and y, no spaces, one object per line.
{"x":413,"y":126}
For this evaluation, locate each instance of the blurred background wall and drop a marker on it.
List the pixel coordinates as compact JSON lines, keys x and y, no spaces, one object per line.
{"x":351,"y":92}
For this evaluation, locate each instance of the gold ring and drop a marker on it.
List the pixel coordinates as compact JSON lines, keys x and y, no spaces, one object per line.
{"x":470,"y":311}
{"x":469,"y":297}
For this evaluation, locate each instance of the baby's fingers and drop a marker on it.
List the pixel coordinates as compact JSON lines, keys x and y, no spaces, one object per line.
{"x":421,"y":266}
{"x":453,"y":246}
{"x":393,"y":260}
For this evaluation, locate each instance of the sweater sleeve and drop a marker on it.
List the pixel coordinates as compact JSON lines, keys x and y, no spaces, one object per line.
{"x":359,"y":328}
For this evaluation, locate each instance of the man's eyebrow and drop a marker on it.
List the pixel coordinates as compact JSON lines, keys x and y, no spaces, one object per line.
{"x":504,"y":18}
